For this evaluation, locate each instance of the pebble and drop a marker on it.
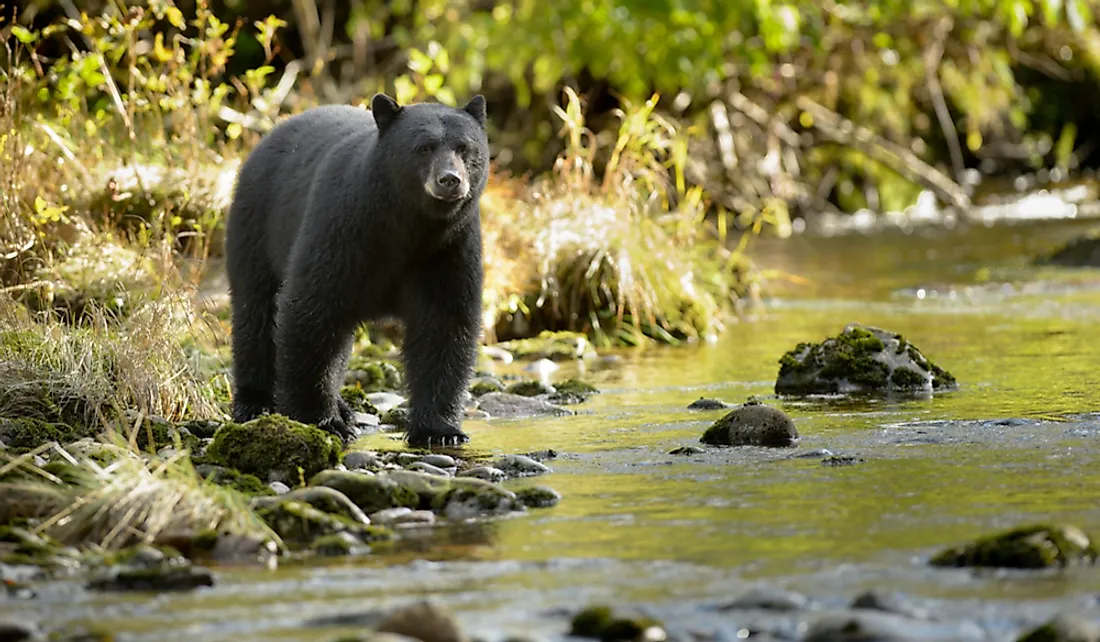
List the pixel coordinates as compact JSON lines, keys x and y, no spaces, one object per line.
{"x":521,"y":466}
{"x":488,"y":473}
{"x":360,"y":459}
{"x":279,"y":487}
{"x":441,"y":461}
{"x":423,"y":467}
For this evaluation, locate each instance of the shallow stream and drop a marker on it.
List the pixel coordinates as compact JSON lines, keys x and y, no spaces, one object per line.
{"x":1018,"y":442}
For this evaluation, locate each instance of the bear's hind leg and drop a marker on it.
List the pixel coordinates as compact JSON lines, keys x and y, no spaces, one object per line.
{"x":254,"y":350}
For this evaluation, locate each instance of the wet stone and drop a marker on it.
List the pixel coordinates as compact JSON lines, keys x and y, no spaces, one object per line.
{"x":422,"y":467}
{"x":521,"y":466}
{"x":424,"y":621}
{"x":1064,"y":628}
{"x":415,"y":518}
{"x":440,"y":461}
{"x":159,"y":578}
{"x":753,"y":424}
{"x":768,"y":599}
{"x":812,"y":454}
{"x":504,"y":405}
{"x":538,"y":497}
{"x":1029,"y":547}
{"x":279,"y":488}
{"x":361,"y":459}
{"x":703,"y":403}
{"x":687,"y":451}
{"x":389,"y":516}
{"x":889,"y":602}
{"x":487,"y":473}
{"x":842,"y":460}
{"x":12,"y":630}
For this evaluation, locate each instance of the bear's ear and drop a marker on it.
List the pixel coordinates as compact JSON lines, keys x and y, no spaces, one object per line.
{"x":476,"y":108}
{"x":385,"y":110}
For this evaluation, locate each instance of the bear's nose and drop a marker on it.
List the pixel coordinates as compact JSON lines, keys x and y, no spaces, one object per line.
{"x":449,"y":179}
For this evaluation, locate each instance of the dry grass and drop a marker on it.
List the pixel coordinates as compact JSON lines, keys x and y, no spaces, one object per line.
{"x":626,"y":258}
{"x":61,"y":372}
{"x":132,"y":500}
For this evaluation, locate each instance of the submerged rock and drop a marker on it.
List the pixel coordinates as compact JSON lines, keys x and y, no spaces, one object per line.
{"x":529,"y":388}
{"x":601,"y":623}
{"x":503,"y":405}
{"x":687,"y":451}
{"x":538,"y":497}
{"x":571,"y":391}
{"x":888,"y":602}
{"x":273,"y":448}
{"x":487,"y":473}
{"x":1028,"y":547}
{"x":160,"y":576}
{"x":521,"y":466}
{"x":1083,"y":251}
{"x":861,"y":359}
{"x":861,"y":626}
{"x":768,"y":599}
{"x":424,"y":621}
{"x":753,"y":424}
{"x":1064,"y":628}
{"x":702,"y":403}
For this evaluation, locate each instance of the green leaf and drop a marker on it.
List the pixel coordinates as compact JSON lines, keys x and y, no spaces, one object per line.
{"x":23,"y":35}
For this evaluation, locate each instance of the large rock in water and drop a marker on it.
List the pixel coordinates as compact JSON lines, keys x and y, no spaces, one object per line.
{"x":861,"y":359}
{"x":1031,"y":547}
{"x":753,"y":424}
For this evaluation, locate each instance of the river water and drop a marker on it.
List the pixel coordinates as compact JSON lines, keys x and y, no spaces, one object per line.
{"x":1018,"y":442}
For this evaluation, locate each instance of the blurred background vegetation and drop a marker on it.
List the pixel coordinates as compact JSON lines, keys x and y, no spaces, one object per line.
{"x":638,"y":144}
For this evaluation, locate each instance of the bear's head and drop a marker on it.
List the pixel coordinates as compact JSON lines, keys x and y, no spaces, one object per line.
{"x":436,"y":152}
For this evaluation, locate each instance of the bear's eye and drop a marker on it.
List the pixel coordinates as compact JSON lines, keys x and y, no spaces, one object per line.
{"x":463,"y":149}
{"x":424,"y":149}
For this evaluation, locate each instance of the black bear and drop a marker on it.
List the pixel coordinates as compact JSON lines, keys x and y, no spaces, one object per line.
{"x":341,"y":215}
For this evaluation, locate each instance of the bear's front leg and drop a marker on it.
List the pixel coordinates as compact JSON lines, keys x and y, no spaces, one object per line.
{"x":313,"y":338}
{"x":442,"y":315}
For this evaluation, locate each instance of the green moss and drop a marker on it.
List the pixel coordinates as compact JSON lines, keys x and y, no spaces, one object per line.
{"x":335,"y":545}
{"x":356,"y":398}
{"x":575,"y":387}
{"x":538,"y":497}
{"x":246,"y":483}
{"x":26,"y":433}
{"x":398,"y":417}
{"x":942,"y":379}
{"x":299,"y":522}
{"x":1031,"y":547}
{"x":591,"y":622}
{"x":205,"y":540}
{"x":904,"y":377}
{"x":556,"y":346}
{"x":482,"y":496}
{"x":274,"y":444}
{"x":485,"y":386}
{"x":369,"y":492}
{"x":600,"y":623}
{"x":529,"y":388}
{"x":374,"y":376}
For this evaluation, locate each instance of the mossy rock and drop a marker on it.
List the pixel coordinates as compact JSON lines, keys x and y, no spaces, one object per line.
{"x":1028,"y":547}
{"x":246,"y":483}
{"x":753,"y":424}
{"x":300,"y":523}
{"x":374,"y":376}
{"x":469,"y":497}
{"x":538,"y":497}
{"x":371,"y":493}
{"x":485,"y":385}
{"x":356,"y":398}
{"x":601,"y":623}
{"x":273,"y":447}
{"x":397,"y":417}
{"x":1064,"y":628}
{"x":1083,"y":251}
{"x":529,"y":388}
{"x":860,"y":360}
{"x":556,"y":346}
{"x":26,"y":433}
{"x":576,"y":387}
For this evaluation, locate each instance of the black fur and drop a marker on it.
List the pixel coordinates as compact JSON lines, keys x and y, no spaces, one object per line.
{"x":343,"y":215}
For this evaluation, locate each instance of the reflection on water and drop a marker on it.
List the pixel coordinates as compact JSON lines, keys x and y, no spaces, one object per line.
{"x":639,"y":524}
